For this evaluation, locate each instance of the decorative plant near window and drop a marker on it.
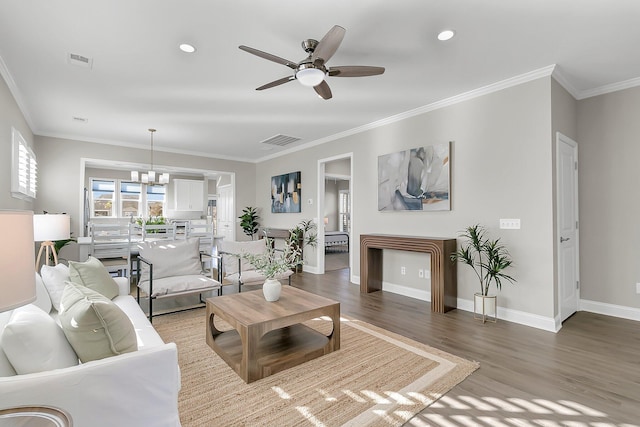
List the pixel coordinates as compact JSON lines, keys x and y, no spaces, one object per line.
{"x":152,"y":220}
{"x":249,"y":221}
{"x":488,"y":258}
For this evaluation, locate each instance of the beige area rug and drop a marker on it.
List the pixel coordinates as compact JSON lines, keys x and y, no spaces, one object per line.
{"x":377,"y":378}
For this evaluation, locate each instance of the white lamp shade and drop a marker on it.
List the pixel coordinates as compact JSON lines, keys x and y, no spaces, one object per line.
{"x":152,"y":176}
{"x":51,"y":227}
{"x":17,"y":257}
{"x":134,"y":176}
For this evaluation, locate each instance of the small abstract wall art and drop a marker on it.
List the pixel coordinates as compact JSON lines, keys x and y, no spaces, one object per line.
{"x":417,"y":179}
{"x":285,"y":193}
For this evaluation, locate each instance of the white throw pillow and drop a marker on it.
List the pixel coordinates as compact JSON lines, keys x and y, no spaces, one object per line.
{"x":54,"y":279}
{"x":33,"y":342}
{"x":95,"y":327}
{"x":6,"y":370}
{"x":42,"y":296}
{"x":170,"y":258}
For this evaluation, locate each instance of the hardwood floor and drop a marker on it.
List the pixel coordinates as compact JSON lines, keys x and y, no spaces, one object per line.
{"x":588,"y":374}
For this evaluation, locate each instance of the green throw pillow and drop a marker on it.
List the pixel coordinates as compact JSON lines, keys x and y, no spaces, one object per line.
{"x":94,"y":326}
{"x":93,"y":275}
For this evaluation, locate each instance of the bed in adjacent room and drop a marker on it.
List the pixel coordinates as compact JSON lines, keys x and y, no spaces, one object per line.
{"x":334,"y":240}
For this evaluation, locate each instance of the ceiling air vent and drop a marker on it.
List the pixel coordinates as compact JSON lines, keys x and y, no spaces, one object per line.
{"x":280,"y":140}
{"x":79,"y":60}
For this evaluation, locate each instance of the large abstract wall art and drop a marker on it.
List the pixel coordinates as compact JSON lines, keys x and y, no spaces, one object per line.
{"x":417,"y":179}
{"x":285,"y":193}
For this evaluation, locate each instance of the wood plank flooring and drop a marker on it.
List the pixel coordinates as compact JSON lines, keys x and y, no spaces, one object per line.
{"x":588,"y":374}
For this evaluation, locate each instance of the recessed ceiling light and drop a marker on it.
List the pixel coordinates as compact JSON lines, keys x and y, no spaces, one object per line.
{"x":186,"y":47}
{"x":446,"y":35}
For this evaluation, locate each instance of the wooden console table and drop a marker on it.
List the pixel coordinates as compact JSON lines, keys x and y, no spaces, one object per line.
{"x":443,"y":271}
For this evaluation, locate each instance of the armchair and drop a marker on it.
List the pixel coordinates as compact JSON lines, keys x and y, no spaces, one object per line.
{"x":171,"y":268}
{"x":235,"y":270}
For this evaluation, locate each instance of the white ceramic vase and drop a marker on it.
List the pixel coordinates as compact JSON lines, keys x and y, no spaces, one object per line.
{"x":271,"y":290}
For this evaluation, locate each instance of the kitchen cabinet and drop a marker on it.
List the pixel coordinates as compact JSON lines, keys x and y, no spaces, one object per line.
{"x":188,"y":195}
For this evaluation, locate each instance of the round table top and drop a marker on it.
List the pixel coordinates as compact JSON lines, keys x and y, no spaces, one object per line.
{"x":34,"y":416}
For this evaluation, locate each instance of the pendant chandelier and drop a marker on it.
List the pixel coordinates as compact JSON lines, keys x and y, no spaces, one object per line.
{"x":149,"y":177}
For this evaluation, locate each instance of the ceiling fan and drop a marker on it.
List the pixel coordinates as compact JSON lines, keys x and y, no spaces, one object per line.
{"x":312,"y":70}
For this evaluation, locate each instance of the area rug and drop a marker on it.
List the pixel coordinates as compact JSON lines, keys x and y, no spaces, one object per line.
{"x":376,"y":378}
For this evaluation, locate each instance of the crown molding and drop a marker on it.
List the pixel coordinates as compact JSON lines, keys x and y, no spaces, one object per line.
{"x":613,"y":87}
{"x":466,"y":96}
{"x":17,"y":96}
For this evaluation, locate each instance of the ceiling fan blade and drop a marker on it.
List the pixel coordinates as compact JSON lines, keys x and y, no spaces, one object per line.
{"x":276,"y":83}
{"x":328,"y":45}
{"x":323,"y":90}
{"x":270,"y":57}
{"x":355,"y":71}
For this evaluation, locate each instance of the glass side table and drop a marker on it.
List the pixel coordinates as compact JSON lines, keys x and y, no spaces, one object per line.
{"x":34,"y":416}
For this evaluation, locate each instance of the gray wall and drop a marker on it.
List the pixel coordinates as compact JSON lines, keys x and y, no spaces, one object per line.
{"x":609,"y":149}
{"x":501,"y":168}
{"x":60,"y":162}
{"x":11,"y":116}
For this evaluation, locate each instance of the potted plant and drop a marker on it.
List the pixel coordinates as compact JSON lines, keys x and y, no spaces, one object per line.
{"x":303,"y":234}
{"x":249,"y":221}
{"x":272,"y":263}
{"x":488,"y":259}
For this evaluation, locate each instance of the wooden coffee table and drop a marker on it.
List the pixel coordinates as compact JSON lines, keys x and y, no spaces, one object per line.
{"x":268,"y":337}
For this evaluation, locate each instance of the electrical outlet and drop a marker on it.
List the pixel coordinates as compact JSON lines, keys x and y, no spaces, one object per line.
{"x":637,"y":288}
{"x":427,"y":274}
{"x":513,"y":224}
{"x":421,"y":273}
{"x":403,"y":270}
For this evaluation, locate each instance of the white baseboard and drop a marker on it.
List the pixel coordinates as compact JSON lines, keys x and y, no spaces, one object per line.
{"x":310,"y":269}
{"x":621,"y":311}
{"x":406,"y":291}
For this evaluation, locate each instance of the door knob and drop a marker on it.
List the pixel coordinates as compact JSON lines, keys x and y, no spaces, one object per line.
{"x":564,"y":239}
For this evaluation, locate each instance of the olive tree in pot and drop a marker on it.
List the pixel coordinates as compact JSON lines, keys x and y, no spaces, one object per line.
{"x":488,"y":259}
{"x":249,"y":221}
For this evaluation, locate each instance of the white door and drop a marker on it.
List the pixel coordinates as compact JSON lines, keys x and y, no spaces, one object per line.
{"x":567,"y":220}
{"x":225,"y":212}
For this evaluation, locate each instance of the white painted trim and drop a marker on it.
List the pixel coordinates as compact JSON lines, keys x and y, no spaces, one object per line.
{"x":310,"y":269}
{"x":516,"y":316}
{"x":420,"y":294}
{"x":614,"y":310}
{"x":475,"y":93}
{"x":613,"y":87}
{"x":559,"y":76}
{"x":13,"y":88}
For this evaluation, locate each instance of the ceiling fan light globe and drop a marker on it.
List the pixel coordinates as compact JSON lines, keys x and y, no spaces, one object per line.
{"x":310,"y":76}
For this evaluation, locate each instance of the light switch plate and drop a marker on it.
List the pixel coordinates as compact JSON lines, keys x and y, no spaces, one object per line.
{"x":510,"y":224}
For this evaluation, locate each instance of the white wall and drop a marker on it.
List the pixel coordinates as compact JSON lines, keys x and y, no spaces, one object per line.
{"x":609,"y":152}
{"x":11,"y":116}
{"x":60,"y":162}
{"x":501,"y":168}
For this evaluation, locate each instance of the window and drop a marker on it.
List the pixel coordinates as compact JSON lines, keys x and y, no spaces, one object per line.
{"x":344,"y":213}
{"x":24,"y":168}
{"x":124,"y":199}
{"x":155,"y":200}
{"x":130,"y":199}
{"x":102,"y":197}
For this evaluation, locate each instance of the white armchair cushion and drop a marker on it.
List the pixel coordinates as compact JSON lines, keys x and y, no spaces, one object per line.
{"x":95,"y":327}
{"x":170,"y":258}
{"x":179,"y":284}
{"x":33,"y":342}
{"x":230,"y":263}
{"x":92,"y":274}
{"x":54,"y":279}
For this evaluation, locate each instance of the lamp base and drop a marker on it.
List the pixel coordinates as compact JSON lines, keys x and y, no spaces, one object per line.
{"x":49,"y":248}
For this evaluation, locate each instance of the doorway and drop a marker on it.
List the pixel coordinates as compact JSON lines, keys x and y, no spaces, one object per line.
{"x":335,"y":213}
{"x":568,"y":268}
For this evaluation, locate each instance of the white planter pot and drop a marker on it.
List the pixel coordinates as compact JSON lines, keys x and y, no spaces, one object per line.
{"x":271,"y":290}
{"x":485,"y":307}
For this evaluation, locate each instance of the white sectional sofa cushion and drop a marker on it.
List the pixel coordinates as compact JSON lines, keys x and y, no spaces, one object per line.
{"x":33,"y":342}
{"x":54,"y":279}
{"x":139,"y":388}
{"x":92,"y":274}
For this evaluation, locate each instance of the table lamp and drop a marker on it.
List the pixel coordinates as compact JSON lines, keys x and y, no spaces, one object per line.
{"x":18,"y":284}
{"x":46,"y":229}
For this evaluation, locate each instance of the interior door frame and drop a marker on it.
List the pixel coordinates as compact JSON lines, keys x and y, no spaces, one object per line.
{"x":320,"y":212}
{"x":562,"y":139}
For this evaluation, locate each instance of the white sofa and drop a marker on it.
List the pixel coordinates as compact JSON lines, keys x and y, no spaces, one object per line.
{"x":138,"y":388}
